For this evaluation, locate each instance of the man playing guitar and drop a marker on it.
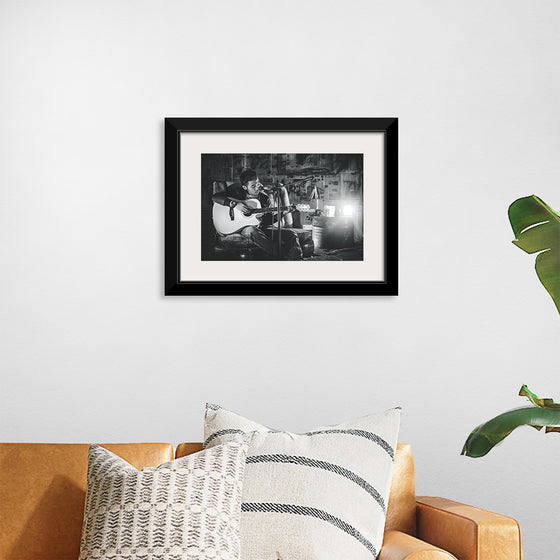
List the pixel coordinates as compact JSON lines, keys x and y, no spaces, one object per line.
{"x":248,"y":188}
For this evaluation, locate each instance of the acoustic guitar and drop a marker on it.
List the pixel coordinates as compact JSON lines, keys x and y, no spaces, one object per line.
{"x":230,"y":220}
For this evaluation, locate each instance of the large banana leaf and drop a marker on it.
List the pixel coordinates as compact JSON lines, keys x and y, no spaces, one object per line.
{"x":536,"y":227}
{"x":543,"y":413}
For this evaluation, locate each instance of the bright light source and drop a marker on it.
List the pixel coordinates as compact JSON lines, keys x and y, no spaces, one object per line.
{"x":329,"y":211}
{"x":348,"y":210}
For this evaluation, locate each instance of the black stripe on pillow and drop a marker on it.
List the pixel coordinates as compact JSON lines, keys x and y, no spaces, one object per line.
{"x":315,"y":463}
{"x":360,"y":433}
{"x":312,"y":512}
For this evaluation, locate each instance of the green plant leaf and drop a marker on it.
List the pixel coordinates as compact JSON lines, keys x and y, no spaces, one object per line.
{"x":536,"y":227}
{"x":543,"y":413}
{"x":483,"y":438}
{"x":537,"y":401}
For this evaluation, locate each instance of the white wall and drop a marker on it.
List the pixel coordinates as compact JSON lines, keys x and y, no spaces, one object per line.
{"x":92,"y":351}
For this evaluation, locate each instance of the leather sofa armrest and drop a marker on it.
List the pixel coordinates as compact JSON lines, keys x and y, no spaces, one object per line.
{"x":401,"y":546}
{"x":467,"y":532}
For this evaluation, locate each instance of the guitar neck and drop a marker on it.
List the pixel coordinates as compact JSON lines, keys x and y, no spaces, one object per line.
{"x":271,"y":209}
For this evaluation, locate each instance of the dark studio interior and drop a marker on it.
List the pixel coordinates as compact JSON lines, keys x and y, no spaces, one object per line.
{"x":325,"y":196}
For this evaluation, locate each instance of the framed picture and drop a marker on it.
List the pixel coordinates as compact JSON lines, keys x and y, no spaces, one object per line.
{"x":273,"y":206}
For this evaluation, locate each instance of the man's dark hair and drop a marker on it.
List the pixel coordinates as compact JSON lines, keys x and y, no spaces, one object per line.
{"x":247,"y":175}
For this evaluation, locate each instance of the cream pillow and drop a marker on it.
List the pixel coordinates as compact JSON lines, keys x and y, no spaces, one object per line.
{"x":187,"y":509}
{"x":321,"y":495}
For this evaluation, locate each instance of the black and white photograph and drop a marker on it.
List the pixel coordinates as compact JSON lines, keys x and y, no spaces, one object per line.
{"x":275,"y":206}
{"x":296,"y":207}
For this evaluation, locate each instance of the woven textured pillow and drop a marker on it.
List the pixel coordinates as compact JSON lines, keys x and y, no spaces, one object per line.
{"x":185,"y":509}
{"x":321,"y":495}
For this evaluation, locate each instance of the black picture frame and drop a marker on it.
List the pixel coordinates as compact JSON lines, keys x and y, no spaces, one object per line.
{"x":173,"y":284}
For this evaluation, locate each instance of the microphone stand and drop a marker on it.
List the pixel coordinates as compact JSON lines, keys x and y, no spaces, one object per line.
{"x":278,"y":206}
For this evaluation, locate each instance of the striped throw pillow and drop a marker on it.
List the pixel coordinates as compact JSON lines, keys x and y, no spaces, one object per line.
{"x":316,"y":496}
{"x":187,"y":509}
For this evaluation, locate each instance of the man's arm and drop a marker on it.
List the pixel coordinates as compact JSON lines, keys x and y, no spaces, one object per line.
{"x":222,"y":198}
{"x":225,"y":198}
{"x":231,"y":193}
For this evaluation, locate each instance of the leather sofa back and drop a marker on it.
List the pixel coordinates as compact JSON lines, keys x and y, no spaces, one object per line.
{"x":401,"y":510}
{"x":42,"y":494}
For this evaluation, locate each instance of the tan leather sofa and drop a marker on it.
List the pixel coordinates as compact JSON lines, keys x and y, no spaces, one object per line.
{"x":42,"y":492}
